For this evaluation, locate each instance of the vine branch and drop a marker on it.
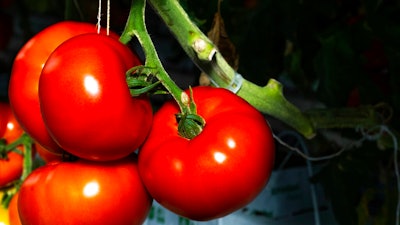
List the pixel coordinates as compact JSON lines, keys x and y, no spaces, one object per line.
{"x":268,"y":99}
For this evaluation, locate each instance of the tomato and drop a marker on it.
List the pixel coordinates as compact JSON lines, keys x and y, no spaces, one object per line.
{"x":85,"y":101}
{"x":84,"y":192}
{"x":26,"y":70}
{"x":13,"y":214}
{"x":10,"y":168}
{"x":217,"y":172}
{"x":11,"y":165}
{"x":4,"y":117}
{"x":47,"y":155}
{"x":13,"y":129}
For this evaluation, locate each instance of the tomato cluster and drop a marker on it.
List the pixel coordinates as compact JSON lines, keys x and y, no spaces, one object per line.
{"x":68,"y":92}
{"x":72,"y":80}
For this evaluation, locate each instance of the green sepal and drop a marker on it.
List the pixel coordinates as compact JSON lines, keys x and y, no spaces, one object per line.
{"x":189,"y":125}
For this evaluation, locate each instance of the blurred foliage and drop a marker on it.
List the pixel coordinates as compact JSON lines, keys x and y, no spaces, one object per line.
{"x":344,"y":53}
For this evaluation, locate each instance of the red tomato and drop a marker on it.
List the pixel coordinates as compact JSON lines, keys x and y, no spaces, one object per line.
{"x":24,"y":80}
{"x":4,"y":117}
{"x":13,"y":129}
{"x":85,"y":101}
{"x":13,"y":214}
{"x":84,"y":192}
{"x":47,"y":155}
{"x":217,"y":172}
{"x":11,"y":165}
{"x":10,"y":168}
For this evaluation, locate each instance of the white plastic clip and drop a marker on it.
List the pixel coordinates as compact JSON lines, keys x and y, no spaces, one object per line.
{"x":236,"y":83}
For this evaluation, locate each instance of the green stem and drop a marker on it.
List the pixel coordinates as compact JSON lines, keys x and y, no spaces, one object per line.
{"x":365,"y":116}
{"x":205,"y":55}
{"x":189,"y":123}
{"x":136,"y":27}
{"x":28,"y":163}
{"x":26,"y":141}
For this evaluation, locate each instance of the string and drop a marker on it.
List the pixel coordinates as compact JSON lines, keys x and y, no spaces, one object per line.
{"x":108,"y":16}
{"x":366,"y":135}
{"x":396,"y":170}
{"x":314,"y":198}
{"x":99,"y":18}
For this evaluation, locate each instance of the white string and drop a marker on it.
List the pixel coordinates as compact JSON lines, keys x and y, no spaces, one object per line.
{"x":99,"y":18}
{"x":310,"y":171}
{"x":366,"y":136}
{"x":396,"y":170}
{"x":311,"y":158}
{"x":108,"y":16}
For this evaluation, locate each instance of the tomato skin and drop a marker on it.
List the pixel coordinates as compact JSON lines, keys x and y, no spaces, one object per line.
{"x":84,"y":192}
{"x":13,"y":214}
{"x":219,"y":171}
{"x":13,"y":128}
{"x":26,"y":70}
{"x":85,"y":101}
{"x":10,"y":168}
{"x":47,"y":155}
{"x":4,"y":115}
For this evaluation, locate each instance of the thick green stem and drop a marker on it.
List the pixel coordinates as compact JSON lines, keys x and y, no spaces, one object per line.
{"x":136,"y":27}
{"x":28,"y":163}
{"x":190,"y":124}
{"x":201,"y":50}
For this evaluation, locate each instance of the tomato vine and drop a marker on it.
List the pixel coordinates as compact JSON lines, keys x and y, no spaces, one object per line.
{"x":190,"y":124}
{"x":269,"y":99}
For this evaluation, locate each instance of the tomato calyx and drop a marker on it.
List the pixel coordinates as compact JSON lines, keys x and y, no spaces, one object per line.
{"x":189,"y":125}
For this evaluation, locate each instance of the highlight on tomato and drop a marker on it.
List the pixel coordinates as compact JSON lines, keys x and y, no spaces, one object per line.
{"x":215,"y":173}
{"x":85,"y":102}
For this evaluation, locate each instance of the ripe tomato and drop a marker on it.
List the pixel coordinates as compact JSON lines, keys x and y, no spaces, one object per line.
{"x":217,"y":172}
{"x":24,"y":80}
{"x":10,"y":168}
{"x":84,"y":192}
{"x":13,"y":214}
{"x":85,"y":101}
{"x":4,"y":115}
{"x":13,"y":128}
{"x":11,"y":165}
{"x":47,"y":155}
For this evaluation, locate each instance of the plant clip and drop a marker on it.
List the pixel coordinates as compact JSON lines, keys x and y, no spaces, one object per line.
{"x":236,"y":83}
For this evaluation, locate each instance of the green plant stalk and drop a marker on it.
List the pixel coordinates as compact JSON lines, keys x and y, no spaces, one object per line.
{"x":190,"y":124}
{"x":27,"y":163}
{"x":268,"y":99}
{"x":136,"y":27}
{"x":27,"y":142}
